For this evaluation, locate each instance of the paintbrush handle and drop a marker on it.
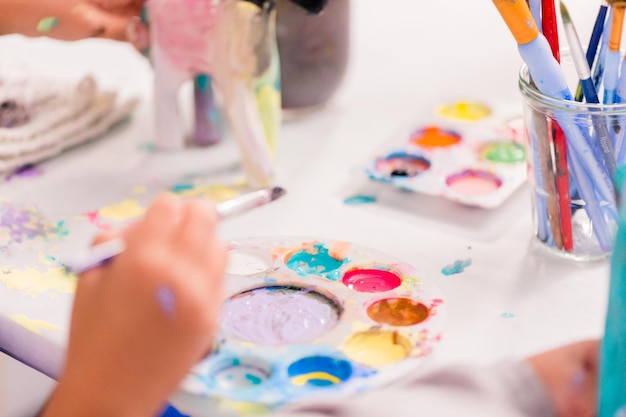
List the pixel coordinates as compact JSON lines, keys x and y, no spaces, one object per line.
{"x":102,"y":253}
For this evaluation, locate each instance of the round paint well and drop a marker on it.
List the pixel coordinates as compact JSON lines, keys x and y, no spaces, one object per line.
{"x":435,"y":137}
{"x":371,"y":280}
{"x":377,"y":348}
{"x":235,"y":373}
{"x":402,"y":164}
{"x":398,"y":311}
{"x":503,"y":152}
{"x":248,"y":261}
{"x":279,"y":315}
{"x":314,"y":260}
{"x":319,"y":371}
{"x":473,"y":182}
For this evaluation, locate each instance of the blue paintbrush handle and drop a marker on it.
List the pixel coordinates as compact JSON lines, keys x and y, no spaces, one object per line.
{"x":611,"y":71}
{"x":596,"y":34}
{"x":589,"y":90}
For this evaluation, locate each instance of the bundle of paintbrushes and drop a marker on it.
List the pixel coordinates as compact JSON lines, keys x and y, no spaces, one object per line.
{"x":577,"y":145}
{"x":575,"y":140}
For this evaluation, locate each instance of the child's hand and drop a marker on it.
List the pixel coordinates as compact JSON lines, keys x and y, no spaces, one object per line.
{"x":68,"y":19}
{"x":570,"y":374}
{"x":141,"y":322}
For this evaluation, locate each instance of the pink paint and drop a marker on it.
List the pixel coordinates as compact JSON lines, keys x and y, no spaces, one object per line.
{"x":371,"y":280}
{"x":473,"y":182}
{"x":94,"y":219}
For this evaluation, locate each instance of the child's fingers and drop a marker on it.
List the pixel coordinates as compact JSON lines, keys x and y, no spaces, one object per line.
{"x":197,"y":227}
{"x":103,"y":23}
{"x":159,"y":222}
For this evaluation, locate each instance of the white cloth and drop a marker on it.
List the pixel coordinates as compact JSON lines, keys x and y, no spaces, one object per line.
{"x":42,"y":114}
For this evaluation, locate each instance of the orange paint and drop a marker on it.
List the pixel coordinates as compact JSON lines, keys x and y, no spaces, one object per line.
{"x":398,"y":312}
{"x":434,"y":137}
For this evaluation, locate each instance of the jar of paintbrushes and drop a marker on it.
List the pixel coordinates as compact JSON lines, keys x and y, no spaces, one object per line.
{"x":572,"y":152}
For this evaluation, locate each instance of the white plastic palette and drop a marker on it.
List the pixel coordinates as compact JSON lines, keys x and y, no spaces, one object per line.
{"x":470,"y":153}
{"x":306,"y":318}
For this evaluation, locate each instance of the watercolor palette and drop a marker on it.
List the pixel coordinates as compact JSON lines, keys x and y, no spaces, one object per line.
{"x":306,"y":318}
{"x":468,"y":152}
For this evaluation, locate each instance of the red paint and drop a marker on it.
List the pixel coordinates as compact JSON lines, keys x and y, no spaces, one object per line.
{"x":371,"y":280}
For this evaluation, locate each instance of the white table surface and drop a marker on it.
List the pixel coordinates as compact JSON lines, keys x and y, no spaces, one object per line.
{"x":406,"y":56}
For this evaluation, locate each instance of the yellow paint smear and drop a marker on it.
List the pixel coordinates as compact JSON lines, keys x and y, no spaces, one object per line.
{"x":33,"y":282}
{"x":303,"y":379}
{"x":33,"y":325}
{"x":127,"y":209}
{"x":140,"y":189}
{"x":376,"y":348}
{"x":242,"y":408}
{"x":464,"y":110}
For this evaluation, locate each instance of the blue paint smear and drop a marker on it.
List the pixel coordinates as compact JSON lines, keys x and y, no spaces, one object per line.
{"x":360,"y":199}
{"x":179,"y":188}
{"x":457,"y":267}
{"x":320,"y":262}
{"x":507,"y":315}
{"x":172,"y":412}
{"x":166,"y":300}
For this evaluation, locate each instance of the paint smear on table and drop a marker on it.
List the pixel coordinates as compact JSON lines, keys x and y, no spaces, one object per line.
{"x":457,"y":267}
{"x":465,"y":111}
{"x":33,"y":282}
{"x":33,"y":325}
{"x":360,"y":199}
{"x":279,"y":315}
{"x":27,"y":171}
{"x":18,"y":225}
{"x":94,"y":219}
{"x":127,"y":209}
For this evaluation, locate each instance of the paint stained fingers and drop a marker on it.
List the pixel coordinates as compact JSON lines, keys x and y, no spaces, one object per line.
{"x":197,"y":227}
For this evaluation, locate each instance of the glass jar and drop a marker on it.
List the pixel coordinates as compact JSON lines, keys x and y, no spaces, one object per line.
{"x":313,"y":53}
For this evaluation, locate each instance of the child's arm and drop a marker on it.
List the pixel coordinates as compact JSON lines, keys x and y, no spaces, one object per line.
{"x":141,"y":322}
{"x":68,"y":19}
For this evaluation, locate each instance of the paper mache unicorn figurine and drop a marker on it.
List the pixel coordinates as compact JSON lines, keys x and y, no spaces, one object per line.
{"x":229,"y":45}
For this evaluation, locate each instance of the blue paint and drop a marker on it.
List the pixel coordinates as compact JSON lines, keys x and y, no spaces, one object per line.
{"x":360,"y":199}
{"x":507,"y":315}
{"x":269,"y":280}
{"x":167,"y":301}
{"x":457,"y":267}
{"x":172,"y":412}
{"x":317,"y":262}
{"x":148,"y":147}
{"x":321,"y":369}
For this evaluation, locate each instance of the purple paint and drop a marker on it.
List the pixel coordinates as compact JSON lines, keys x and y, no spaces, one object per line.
{"x":279,"y":315}
{"x":27,"y":171}
{"x":167,"y":301}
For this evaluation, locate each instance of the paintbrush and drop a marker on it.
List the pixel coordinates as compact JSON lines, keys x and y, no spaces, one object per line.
{"x":594,"y":41}
{"x":103,"y":252}
{"x":612,"y":58}
{"x":550,"y":31}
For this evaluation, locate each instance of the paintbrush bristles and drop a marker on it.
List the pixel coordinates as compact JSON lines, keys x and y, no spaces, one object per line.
{"x":565,"y":14}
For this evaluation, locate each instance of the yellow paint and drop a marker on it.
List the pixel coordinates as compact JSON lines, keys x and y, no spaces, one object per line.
{"x":127,"y":209}
{"x":517,"y":16}
{"x":33,"y":282}
{"x":376,"y":348}
{"x":303,"y":379}
{"x":140,"y":189}
{"x":465,"y":110}
{"x":34,"y":325}
{"x":242,"y":408}
{"x":215,"y":192}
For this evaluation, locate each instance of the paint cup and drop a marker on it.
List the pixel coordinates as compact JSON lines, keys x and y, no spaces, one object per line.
{"x":313,"y":52}
{"x":573,"y":149}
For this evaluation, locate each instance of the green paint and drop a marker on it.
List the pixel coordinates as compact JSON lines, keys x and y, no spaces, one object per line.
{"x":46,"y":24}
{"x":504,"y":152}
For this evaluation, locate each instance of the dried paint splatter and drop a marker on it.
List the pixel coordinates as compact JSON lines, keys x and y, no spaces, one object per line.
{"x":457,"y":267}
{"x":34,"y":325}
{"x":360,"y":199}
{"x":33,"y":282}
{"x":507,"y":315}
{"x":21,"y":224}
{"x":46,"y":24}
